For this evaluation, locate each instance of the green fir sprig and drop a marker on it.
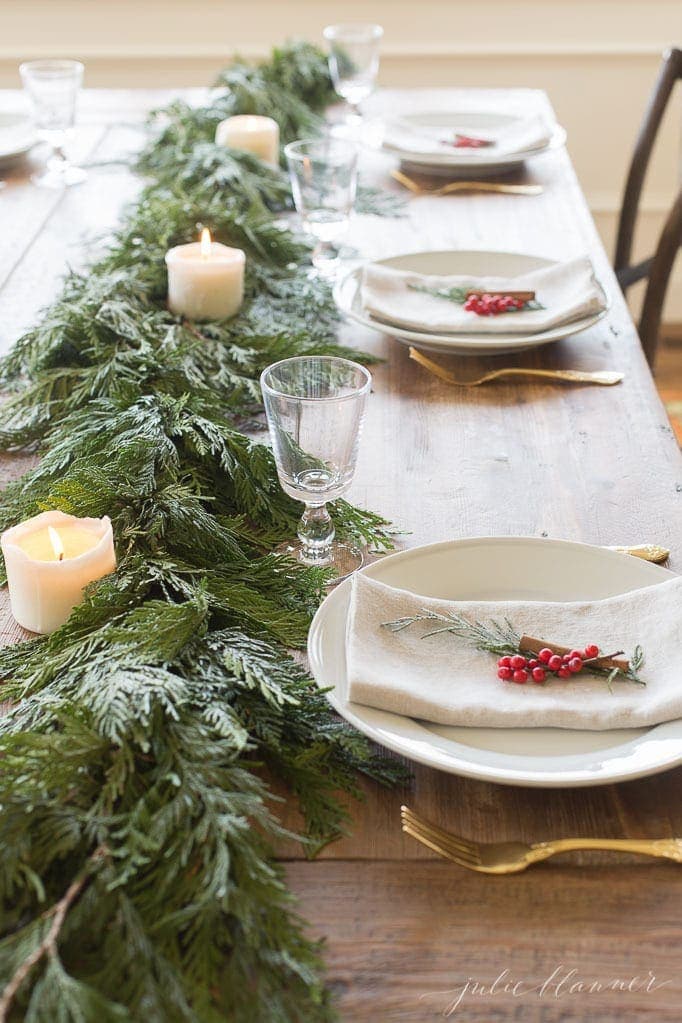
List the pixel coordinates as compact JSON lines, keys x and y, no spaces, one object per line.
{"x":137,"y":819}
{"x":502,"y":638}
{"x":459,"y":295}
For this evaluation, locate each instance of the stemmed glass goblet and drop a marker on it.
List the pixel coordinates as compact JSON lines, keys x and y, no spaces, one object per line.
{"x":354,"y":62}
{"x":323,"y":174}
{"x":315,"y":407}
{"x":52,"y":86}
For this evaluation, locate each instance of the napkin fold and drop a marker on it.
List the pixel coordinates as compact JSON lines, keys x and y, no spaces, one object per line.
{"x":523,"y":134}
{"x":567,"y":291}
{"x":445,"y":680}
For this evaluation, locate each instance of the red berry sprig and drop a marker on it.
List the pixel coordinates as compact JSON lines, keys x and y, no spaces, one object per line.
{"x":520,"y":669}
{"x":530,"y":659}
{"x":493,"y":305}
{"x":467,"y":142}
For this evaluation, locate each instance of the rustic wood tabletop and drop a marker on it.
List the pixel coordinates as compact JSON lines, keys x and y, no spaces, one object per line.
{"x":410,"y":937}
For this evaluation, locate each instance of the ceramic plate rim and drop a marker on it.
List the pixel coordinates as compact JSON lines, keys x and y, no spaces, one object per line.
{"x":472,"y":343}
{"x":30,"y":139}
{"x":411,"y":739}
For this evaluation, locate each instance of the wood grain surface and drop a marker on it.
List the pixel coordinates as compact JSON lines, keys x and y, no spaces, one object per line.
{"x":403,"y":931}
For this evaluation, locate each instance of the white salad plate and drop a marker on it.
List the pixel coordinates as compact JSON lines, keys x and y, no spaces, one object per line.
{"x":465,"y":162}
{"x":348,"y":298}
{"x":495,"y":568}
{"x":17,"y":136}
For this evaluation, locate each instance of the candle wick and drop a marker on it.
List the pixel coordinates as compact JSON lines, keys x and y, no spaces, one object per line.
{"x":61,"y":556}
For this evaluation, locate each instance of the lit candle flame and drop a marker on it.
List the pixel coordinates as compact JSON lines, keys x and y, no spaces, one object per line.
{"x":205,"y":243}
{"x":56,"y":541}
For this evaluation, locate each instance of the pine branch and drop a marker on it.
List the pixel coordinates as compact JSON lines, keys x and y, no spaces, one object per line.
{"x":48,"y":944}
{"x":144,"y":724}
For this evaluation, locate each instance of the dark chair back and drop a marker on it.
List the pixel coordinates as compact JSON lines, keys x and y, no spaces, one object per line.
{"x":658,"y":267}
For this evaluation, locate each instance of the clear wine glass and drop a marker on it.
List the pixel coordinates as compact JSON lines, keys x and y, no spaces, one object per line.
{"x":323,"y":174}
{"x":52,"y":86}
{"x":354,"y":62}
{"x":315,"y":406}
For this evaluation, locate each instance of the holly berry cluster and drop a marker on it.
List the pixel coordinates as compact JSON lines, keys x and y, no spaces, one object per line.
{"x":493,"y":305}
{"x":520,"y":669}
{"x":470,"y":142}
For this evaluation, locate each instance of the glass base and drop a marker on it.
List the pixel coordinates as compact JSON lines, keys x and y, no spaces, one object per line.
{"x":344,"y":559}
{"x":326,"y":267}
{"x":59,"y":178}
{"x":361,"y":131}
{"x":349,"y":130}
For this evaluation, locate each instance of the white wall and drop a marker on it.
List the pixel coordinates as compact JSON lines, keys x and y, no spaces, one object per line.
{"x":597,"y":59}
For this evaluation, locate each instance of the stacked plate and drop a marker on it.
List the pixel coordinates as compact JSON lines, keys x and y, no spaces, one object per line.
{"x":510,"y":568}
{"x":439,"y":142}
{"x":477,"y":263}
{"x":17,"y":136}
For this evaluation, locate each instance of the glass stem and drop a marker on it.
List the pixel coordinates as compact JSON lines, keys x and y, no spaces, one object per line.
{"x":57,"y":160}
{"x":316,"y":533}
{"x":324,"y":252}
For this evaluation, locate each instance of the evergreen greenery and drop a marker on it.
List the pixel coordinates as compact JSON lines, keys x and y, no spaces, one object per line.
{"x":137,"y":823}
{"x":500,"y":638}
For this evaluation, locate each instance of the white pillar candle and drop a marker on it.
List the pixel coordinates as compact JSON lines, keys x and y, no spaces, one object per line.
{"x":50,"y":559}
{"x":205,"y":279}
{"x":253,"y":134}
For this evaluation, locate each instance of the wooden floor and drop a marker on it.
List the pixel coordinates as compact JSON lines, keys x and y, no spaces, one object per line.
{"x":669,"y":381}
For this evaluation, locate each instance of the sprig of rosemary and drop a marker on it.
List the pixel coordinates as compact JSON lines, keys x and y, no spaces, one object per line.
{"x":495,"y":637}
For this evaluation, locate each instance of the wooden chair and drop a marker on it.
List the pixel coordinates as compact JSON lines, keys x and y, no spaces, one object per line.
{"x":657,"y":268}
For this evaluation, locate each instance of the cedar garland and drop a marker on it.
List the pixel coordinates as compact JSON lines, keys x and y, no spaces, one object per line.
{"x":137,"y":880}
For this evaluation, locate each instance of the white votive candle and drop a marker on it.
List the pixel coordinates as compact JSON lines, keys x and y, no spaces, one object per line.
{"x":205,"y":279}
{"x":252,"y":134}
{"x":49,"y":560}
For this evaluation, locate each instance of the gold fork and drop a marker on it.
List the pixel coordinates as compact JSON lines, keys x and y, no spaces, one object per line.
{"x":605,"y":378}
{"x":513,"y":857}
{"x":464,"y":186}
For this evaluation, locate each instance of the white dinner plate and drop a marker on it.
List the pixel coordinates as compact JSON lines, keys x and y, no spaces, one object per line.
{"x":17,"y":136}
{"x":348,"y":297}
{"x":500,"y":568}
{"x":461,"y":163}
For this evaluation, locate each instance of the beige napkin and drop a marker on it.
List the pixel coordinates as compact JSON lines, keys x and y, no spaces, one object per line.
{"x":568,"y":291}
{"x":445,"y":680}
{"x":522,"y":135}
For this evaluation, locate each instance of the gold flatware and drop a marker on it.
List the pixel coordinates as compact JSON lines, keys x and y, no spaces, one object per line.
{"x":487,"y":186}
{"x":645,"y":551}
{"x":464,"y":186}
{"x":605,"y":378}
{"x":408,"y":183}
{"x":513,"y":857}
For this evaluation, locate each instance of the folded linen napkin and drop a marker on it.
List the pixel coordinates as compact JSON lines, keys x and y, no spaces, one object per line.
{"x":522,"y":135}
{"x":446,"y":680}
{"x":567,"y":291}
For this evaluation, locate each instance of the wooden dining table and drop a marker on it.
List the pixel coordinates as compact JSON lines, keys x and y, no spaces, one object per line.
{"x":409,"y":936}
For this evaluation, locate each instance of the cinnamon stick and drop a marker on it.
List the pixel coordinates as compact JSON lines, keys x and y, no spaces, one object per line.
{"x":536,"y":645}
{"x":523,"y":296}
